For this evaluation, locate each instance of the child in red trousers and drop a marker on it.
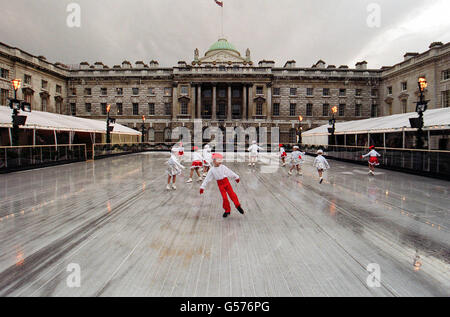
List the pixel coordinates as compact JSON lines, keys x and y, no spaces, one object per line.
{"x":221,"y":173}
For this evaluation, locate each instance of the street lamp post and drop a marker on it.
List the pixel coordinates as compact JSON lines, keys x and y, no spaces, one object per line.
{"x":421,"y":107}
{"x":109,"y":128}
{"x":143,"y":130}
{"x":332,"y":122}
{"x":300,"y":129}
{"x":16,"y":105}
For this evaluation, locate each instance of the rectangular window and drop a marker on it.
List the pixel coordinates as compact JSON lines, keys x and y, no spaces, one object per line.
{"x":151,"y":109}
{"x":167,"y":92}
{"x":292,"y":109}
{"x":4,"y":97}
{"x":119,"y":91}
{"x":151,"y":91}
{"x":88,"y":91}
{"x":4,"y":73}
{"x":58,"y":89}
{"x":358,"y":110}
{"x":222,"y":93}
{"x":88,"y":107}
{"x":374,"y":92}
{"x":277,"y":91}
{"x":168,"y":109}
{"x":104,"y":91}
{"x":119,"y":109}
{"x":135,"y":91}
{"x":135,"y":109}
{"x":309,"y":110}
{"x":27,"y":79}
{"x":73,"y":91}
{"x":103,"y":106}
{"x":404,"y":106}
{"x":276,"y":109}
{"x":73,"y":109}
{"x":259,"y":90}
{"x":358,"y":92}
{"x":293,"y":92}
{"x":326,"y":110}
{"x":44,"y":84}
{"x":342,"y":92}
{"x":446,"y":99}
{"x":341,"y":111}
{"x":184,"y":108}
{"x":259,"y":109}
{"x":236,"y":93}
{"x":404,"y":86}
{"x":184,"y":90}
{"x":389,"y":90}
{"x":446,"y":74}
{"x":374,"y":111}
{"x":326,"y":92}
{"x":310,"y":92}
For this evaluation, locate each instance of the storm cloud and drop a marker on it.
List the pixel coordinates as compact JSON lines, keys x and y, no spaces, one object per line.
{"x":335,"y":31}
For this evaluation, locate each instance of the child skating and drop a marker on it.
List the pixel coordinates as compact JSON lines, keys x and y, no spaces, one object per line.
{"x":207,"y":159}
{"x":221,"y":174}
{"x":253,"y":149}
{"x":197,"y":164}
{"x":321,"y":164}
{"x":173,"y":169}
{"x":296,"y":160}
{"x":283,"y":155}
{"x":373,"y":159}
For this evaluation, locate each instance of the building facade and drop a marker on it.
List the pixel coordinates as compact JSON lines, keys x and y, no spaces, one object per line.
{"x":225,"y":89}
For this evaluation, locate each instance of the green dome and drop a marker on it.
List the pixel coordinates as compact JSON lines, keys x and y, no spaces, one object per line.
{"x":222,"y":44}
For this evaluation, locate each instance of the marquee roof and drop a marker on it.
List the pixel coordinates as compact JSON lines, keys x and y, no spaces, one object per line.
{"x":51,"y":121}
{"x":436,"y":118}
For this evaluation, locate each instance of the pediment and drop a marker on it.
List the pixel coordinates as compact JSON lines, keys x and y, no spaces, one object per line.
{"x":222,"y":57}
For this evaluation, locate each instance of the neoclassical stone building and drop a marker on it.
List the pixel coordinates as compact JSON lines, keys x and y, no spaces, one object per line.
{"x":225,"y":89}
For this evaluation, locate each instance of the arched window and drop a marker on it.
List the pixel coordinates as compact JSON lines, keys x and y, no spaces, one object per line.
{"x":151,"y":135}
{"x":167,"y":135}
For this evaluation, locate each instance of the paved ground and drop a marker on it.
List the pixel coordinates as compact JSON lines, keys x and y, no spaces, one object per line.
{"x":131,"y":237}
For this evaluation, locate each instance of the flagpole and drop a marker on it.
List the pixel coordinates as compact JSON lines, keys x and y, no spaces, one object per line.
{"x":221,"y":10}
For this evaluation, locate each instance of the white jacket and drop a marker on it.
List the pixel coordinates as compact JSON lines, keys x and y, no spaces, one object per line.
{"x":372,"y":153}
{"x":173,"y":162}
{"x":254,"y":148}
{"x":295,"y":157}
{"x":197,"y":156}
{"x":207,"y":156}
{"x":321,"y":163}
{"x":218,"y":173}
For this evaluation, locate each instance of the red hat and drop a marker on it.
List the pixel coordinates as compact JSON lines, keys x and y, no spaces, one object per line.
{"x":217,"y":156}
{"x":195,"y":148}
{"x":281,"y":145}
{"x":372,"y":147}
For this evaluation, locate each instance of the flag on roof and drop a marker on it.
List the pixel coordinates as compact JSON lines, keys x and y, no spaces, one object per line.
{"x":219,"y":3}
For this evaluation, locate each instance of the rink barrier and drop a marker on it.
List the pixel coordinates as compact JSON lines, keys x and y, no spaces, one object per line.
{"x":16,"y":158}
{"x":434,"y":163}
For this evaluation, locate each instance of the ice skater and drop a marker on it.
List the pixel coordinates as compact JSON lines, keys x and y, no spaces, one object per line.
{"x":253,"y":149}
{"x":283,"y":155}
{"x":321,"y":164}
{"x":373,"y":159}
{"x":221,"y":174}
{"x":296,"y":160}
{"x":173,"y":169}
{"x":207,"y":159}
{"x":197,"y":164}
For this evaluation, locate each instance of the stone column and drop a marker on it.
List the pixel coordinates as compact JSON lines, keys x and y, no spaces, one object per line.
{"x":269,"y":101}
{"x":244,"y":102}
{"x":250,"y":102}
{"x":229,"y":103}
{"x":192,"y":103}
{"x":199,"y":101}
{"x":214,"y":103}
{"x":175,"y":109}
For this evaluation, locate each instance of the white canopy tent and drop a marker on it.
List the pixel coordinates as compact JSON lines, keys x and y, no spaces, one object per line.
{"x":38,"y":120}
{"x":433,"y":119}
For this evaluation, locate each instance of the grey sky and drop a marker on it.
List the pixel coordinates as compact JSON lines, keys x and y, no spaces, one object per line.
{"x":280,"y":30}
